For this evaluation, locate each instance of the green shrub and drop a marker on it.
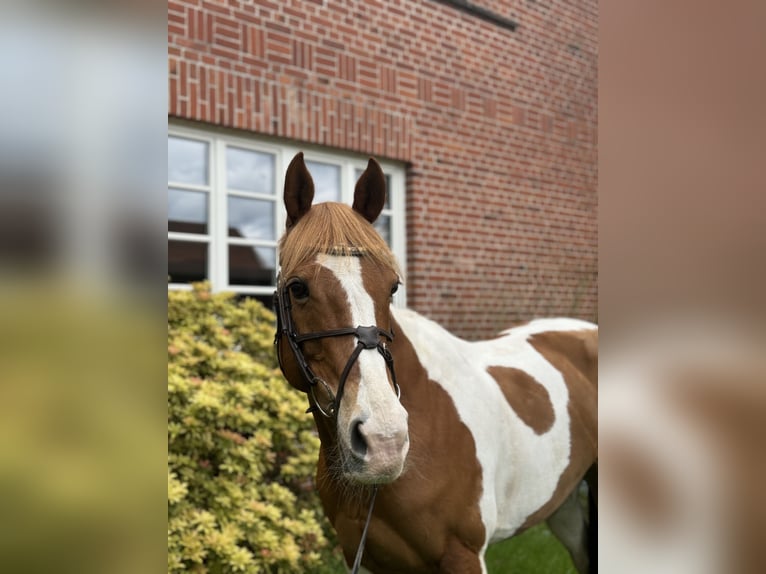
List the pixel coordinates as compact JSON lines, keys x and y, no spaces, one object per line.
{"x":240,"y":448}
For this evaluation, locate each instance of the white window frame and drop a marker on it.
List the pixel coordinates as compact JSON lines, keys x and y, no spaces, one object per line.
{"x":217,"y":231}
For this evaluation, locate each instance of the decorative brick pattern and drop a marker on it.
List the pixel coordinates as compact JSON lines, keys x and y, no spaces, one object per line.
{"x":498,"y":128}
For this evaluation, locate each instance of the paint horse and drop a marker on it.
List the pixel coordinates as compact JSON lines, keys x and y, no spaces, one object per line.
{"x":464,"y":443}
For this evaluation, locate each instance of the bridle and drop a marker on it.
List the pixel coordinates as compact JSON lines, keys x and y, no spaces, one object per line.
{"x":367,"y":338}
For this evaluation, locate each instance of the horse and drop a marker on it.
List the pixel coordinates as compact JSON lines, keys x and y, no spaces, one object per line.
{"x":458,"y":444}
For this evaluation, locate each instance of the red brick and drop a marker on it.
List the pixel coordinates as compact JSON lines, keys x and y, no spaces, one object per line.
{"x":498,"y":130}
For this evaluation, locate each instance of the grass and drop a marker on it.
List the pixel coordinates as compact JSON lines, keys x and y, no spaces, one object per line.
{"x":535,"y":551}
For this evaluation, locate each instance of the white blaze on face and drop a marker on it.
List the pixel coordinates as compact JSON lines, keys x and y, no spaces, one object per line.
{"x":376,"y":402}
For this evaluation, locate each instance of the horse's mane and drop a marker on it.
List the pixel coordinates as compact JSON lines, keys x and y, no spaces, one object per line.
{"x":336,"y":229}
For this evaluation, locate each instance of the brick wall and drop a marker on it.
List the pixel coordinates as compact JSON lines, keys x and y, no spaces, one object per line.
{"x":498,"y":129}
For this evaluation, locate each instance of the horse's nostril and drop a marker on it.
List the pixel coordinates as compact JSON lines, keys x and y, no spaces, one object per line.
{"x":358,"y":442}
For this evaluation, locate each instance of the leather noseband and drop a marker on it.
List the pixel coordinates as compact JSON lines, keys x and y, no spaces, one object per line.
{"x":367,"y":338}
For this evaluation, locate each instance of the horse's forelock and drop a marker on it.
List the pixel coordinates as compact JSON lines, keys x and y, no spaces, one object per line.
{"x":335,"y":229}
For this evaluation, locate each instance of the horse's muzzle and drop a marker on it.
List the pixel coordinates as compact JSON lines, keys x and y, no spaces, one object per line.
{"x":376,"y":457}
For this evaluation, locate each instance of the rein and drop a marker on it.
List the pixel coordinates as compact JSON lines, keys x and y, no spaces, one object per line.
{"x":360,"y":549}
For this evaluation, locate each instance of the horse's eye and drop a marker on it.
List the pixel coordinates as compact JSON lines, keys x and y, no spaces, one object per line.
{"x":394,"y":288}
{"x":299,"y":290}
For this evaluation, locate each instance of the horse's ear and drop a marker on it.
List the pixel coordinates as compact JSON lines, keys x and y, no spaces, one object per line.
{"x":370,"y":192}
{"x":299,"y":190}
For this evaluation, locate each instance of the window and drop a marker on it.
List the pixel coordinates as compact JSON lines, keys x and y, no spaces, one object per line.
{"x":225,"y":209}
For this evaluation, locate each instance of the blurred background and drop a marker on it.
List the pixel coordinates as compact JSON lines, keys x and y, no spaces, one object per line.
{"x":682,"y":407}
{"x":82,"y":287}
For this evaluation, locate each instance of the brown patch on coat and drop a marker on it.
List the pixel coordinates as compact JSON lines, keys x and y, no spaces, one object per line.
{"x":575,"y":355}
{"x":528,"y":398}
{"x":428,"y":520}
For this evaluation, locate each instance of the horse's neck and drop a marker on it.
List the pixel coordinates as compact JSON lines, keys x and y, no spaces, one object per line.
{"x":409,"y":369}
{"x":429,"y":342}
{"x":416,"y":326}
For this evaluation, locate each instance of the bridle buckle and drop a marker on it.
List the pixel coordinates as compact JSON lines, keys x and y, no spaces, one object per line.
{"x":368,"y":337}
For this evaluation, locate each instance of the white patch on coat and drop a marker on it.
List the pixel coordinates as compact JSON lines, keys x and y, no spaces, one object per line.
{"x":376,"y":401}
{"x":520,"y":468}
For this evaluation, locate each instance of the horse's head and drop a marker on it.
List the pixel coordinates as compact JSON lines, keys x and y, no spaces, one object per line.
{"x":335,"y":288}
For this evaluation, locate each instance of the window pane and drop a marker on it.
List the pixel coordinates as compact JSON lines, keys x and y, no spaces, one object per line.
{"x":250,"y":265}
{"x":251,"y":218}
{"x":187,"y":161}
{"x":249,"y":170}
{"x":383,"y":226}
{"x":326,"y":181}
{"x":358,"y":173}
{"x":187,"y":261}
{"x":187,"y":211}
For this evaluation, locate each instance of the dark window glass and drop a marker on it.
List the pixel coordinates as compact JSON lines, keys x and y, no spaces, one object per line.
{"x":187,"y":261}
{"x":249,"y":265}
